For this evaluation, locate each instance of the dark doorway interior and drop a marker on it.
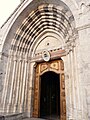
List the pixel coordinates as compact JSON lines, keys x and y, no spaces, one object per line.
{"x":50,"y":96}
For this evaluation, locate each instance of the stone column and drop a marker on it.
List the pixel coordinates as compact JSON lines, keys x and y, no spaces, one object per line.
{"x":9,"y":107}
{"x":30,"y":89}
{"x":77,"y":87}
{"x":21,"y":84}
{"x":5,"y":89}
{"x":17,"y":78}
{"x":70,"y":112}
{"x":21,"y":106}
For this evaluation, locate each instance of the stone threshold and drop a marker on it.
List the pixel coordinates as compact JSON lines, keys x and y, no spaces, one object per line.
{"x":12,"y":116}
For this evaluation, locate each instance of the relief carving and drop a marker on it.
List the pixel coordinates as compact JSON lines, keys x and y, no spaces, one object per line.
{"x":62,"y":65}
{"x":43,"y":67}
{"x":64,"y":107}
{"x":62,"y":81}
{"x":55,"y":65}
{"x":63,"y":94}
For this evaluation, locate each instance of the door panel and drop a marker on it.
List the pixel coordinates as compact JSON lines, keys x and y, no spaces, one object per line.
{"x":62,"y":96}
{"x":50,"y":95}
{"x":36,"y":94}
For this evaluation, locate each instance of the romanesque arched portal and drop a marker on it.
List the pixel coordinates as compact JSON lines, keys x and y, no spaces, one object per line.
{"x":46,"y":26}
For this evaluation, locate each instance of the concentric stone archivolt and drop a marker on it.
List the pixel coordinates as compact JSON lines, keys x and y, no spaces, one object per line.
{"x":45,"y":18}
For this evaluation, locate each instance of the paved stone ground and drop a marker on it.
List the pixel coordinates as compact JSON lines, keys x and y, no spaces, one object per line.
{"x":33,"y":119}
{"x":40,"y":119}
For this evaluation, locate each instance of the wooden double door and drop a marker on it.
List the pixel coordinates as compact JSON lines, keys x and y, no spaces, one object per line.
{"x":49,"y":91}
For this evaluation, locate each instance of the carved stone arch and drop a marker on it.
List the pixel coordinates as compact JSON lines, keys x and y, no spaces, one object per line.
{"x":23,"y":10}
{"x":20,"y":53}
{"x":42,"y":37}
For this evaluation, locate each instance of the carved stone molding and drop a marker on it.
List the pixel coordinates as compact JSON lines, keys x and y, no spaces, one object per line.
{"x":71,"y":43}
{"x":54,"y":54}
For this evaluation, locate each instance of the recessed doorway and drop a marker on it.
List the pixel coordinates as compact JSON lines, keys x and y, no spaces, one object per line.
{"x":50,"y":96}
{"x":49,"y":91}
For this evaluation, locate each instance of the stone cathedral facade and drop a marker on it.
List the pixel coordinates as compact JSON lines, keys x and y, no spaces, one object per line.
{"x":45,"y":60}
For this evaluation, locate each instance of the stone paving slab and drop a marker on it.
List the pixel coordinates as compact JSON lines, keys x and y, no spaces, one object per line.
{"x":33,"y":119}
{"x":40,"y":119}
